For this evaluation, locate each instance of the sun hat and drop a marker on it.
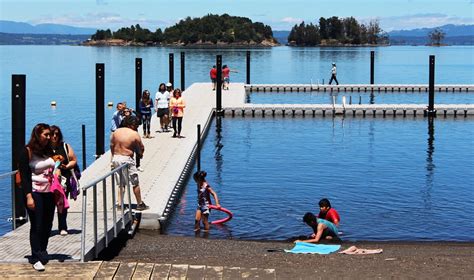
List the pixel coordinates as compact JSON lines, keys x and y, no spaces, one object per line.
{"x":169,"y":84}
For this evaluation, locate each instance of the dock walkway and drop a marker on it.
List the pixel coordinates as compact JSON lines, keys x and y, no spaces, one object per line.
{"x":167,"y":161}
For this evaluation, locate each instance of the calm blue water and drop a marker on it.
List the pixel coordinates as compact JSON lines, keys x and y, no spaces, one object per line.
{"x":363,"y":97}
{"x":66,"y":74}
{"x":386,"y":177}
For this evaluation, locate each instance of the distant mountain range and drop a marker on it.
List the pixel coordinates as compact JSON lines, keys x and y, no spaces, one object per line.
{"x":46,"y":28}
{"x":12,"y":32}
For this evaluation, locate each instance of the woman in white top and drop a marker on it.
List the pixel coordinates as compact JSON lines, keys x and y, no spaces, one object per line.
{"x":36,"y":167}
{"x":162,"y":99}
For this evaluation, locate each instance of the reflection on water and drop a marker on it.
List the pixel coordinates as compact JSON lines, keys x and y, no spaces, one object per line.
{"x":380,"y":174}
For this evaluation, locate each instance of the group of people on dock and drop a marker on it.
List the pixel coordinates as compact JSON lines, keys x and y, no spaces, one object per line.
{"x":48,"y":176}
{"x":225,"y":76}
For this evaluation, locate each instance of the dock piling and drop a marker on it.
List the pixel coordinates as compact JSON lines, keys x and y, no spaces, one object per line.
{"x":138,"y":83}
{"x":183,"y":84}
{"x":99,"y":109}
{"x":84,"y":163}
{"x":171,"y":69}
{"x":219,"y":84}
{"x":18,"y":142}
{"x":431,"y":110}
{"x":372,"y":59}
{"x":248,"y":67}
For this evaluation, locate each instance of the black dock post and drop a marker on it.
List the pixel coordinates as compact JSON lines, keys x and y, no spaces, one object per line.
{"x":372,"y":58}
{"x":219,"y":85}
{"x":18,"y":142}
{"x":138,"y":83}
{"x":198,"y":152}
{"x":84,"y":163}
{"x":99,"y":109}
{"x":431,"y":110}
{"x":171,"y":69}
{"x":248,"y":67}
{"x":183,"y":84}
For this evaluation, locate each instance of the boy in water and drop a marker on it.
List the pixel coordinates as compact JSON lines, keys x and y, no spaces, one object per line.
{"x":322,"y":229}
{"x":328,"y":213}
{"x":204,"y":199}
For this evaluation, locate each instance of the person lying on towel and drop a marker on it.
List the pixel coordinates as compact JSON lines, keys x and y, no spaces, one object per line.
{"x":322,"y":229}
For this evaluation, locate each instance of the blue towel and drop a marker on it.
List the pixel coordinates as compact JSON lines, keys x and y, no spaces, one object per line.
{"x":309,"y":248}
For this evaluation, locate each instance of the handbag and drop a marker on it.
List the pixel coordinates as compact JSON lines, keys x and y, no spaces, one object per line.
{"x":75,"y":176}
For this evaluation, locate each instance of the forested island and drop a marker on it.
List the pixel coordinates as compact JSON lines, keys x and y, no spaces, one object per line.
{"x":210,"y":30}
{"x":334,"y":31}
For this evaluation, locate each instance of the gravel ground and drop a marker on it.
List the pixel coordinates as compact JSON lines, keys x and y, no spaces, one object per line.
{"x":426,"y":260}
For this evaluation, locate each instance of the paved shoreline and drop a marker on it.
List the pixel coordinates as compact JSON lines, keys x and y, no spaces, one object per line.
{"x":399,"y":259}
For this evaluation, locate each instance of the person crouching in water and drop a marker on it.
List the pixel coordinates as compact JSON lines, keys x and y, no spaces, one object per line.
{"x":327,"y":212}
{"x":322,"y":229}
{"x":204,"y":199}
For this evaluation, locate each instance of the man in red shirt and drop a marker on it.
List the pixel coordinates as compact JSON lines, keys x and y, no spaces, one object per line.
{"x":213,"y":75}
{"x":328,"y":213}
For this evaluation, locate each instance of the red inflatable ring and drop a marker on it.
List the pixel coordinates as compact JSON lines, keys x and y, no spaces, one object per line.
{"x":222,"y":209}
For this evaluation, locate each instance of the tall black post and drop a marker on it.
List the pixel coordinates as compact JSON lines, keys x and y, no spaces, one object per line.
{"x":248,"y":67}
{"x":431,"y":110}
{"x":84,"y":163}
{"x":138,"y":83}
{"x":372,"y":59}
{"x":183,"y":84}
{"x":219,"y":84}
{"x":198,"y":152}
{"x":99,"y":109}
{"x":171,"y":62}
{"x":18,"y":142}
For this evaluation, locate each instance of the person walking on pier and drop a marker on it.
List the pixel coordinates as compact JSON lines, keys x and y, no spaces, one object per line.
{"x":333,"y":74}
{"x":35,"y":168}
{"x":68,"y":163}
{"x":204,"y":191}
{"x":145,"y":111}
{"x":162,"y":99}
{"x":177,"y":106}
{"x":226,"y":76}
{"x":126,"y":141}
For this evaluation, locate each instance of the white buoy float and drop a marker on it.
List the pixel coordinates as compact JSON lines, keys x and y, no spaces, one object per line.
{"x":53,"y":103}
{"x":110,"y":104}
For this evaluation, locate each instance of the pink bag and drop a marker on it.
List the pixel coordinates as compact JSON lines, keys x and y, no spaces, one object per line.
{"x":60,"y":198}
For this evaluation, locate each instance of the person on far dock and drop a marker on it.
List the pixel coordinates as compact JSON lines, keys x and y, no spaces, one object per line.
{"x":145,"y":111}
{"x":226,"y":76}
{"x":213,"y":74}
{"x":327,"y":212}
{"x":162,"y":99}
{"x":204,"y":191}
{"x":333,"y":74}
{"x":322,"y":229}
{"x":177,"y":106}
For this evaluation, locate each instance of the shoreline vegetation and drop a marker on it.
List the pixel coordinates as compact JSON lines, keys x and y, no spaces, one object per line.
{"x":231,"y":31}
{"x":208,"y":31}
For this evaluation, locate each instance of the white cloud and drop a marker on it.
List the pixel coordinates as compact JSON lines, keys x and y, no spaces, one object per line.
{"x":291,"y":20}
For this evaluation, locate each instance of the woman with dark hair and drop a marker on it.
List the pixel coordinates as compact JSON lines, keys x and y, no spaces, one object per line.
{"x":68,"y":163}
{"x":145,"y":111}
{"x":162,"y":99}
{"x":177,"y":106}
{"x":36,"y":166}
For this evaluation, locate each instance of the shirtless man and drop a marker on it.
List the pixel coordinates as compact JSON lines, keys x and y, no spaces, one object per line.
{"x":124,"y":142}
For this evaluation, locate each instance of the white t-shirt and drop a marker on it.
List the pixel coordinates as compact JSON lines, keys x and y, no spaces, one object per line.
{"x":162,"y":99}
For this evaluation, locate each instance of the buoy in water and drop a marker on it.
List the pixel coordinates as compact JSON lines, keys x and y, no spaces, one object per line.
{"x":53,"y":103}
{"x":110,"y":104}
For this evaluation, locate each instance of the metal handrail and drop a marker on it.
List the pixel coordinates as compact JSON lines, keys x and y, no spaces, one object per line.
{"x":8,"y":174}
{"x":120,"y":173}
{"x":13,"y":218}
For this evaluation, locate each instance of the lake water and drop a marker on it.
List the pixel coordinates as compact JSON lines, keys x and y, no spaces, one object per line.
{"x":66,"y":74}
{"x":389,"y":178}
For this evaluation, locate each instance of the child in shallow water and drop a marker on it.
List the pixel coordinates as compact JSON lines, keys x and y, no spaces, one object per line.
{"x":327,"y":212}
{"x":204,"y":199}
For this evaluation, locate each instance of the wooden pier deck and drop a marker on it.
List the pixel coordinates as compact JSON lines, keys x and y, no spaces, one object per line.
{"x":167,"y":161}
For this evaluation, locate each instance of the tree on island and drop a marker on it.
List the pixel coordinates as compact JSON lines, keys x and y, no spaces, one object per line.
{"x":334,"y":31}
{"x":436,"y":36}
{"x":208,"y":29}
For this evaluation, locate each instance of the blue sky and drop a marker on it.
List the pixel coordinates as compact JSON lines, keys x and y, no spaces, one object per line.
{"x":279,"y":14}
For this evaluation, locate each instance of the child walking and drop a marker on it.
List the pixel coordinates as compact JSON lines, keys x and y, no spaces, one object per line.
{"x":204,"y":191}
